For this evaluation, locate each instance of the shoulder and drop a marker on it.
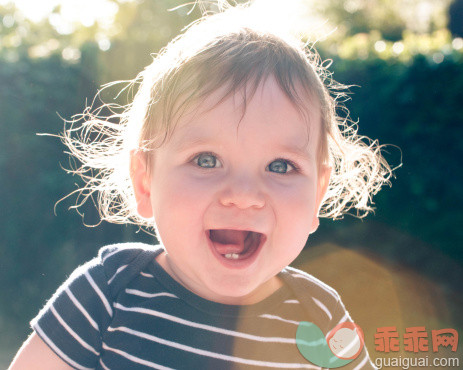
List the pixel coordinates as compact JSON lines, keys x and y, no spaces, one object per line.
{"x":120,"y":262}
{"x":302,"y":280}
{"x":111,"y":257}
{"x":321,"y":302}
{"x":103,"y":276}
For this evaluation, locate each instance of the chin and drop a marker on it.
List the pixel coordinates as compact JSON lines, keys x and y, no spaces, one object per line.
{"x":233,"y":291}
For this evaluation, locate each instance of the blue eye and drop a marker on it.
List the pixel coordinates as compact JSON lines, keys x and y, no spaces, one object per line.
{"x":207,"y":160}
{"x":281,"y":166}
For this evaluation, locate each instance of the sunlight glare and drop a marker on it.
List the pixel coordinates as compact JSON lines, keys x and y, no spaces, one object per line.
{"x":297,"y":17}
{"x":85,"y":12}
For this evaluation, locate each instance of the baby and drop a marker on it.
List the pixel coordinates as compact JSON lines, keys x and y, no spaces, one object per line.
{"x":231,"y":149}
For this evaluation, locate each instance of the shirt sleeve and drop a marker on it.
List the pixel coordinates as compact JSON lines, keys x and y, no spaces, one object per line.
{"x":72,"y":321}
{"x":362,"y":361}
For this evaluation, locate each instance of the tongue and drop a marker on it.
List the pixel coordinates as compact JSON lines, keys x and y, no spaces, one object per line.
{"x":228,"y":241}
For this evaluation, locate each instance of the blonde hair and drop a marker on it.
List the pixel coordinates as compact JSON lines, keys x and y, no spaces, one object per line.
{"x":228,"y":50}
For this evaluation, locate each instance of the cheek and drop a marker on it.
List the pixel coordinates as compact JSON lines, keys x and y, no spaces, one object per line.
{"x":180,"y":199}
{"x":297,"y":196}
{"x":294,"y":208}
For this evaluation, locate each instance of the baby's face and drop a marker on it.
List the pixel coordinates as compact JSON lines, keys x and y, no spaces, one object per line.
{"x":234,"y":202}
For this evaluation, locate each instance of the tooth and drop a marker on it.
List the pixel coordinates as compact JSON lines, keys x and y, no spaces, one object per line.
{"x":233,"y":256}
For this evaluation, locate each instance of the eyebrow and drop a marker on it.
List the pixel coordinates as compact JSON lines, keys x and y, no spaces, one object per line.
{"x":301,"y":153}
{"x":189,"y":142}
{"x":296,"y":151}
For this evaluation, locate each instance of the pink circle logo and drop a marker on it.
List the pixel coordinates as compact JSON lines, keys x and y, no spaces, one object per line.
{"x":346,"y":340}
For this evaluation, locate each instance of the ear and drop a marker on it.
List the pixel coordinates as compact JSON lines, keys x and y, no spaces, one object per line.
{"x":141,"y":183}
{"x":322,"y":186}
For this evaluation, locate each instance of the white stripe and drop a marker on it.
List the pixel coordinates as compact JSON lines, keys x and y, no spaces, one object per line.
{"x":146,"y":275}
{"x":109,"y":255}
{"x":219,"y":356}
{"x":136,"y":359}
{"x":205,"y":327}
{"x":73,"y":333}
{"x":82,"y":309}
{"x":291,"y":301}
{"x":103,"y":365}
{"x":326,"y":288}
{"x":360,"y":365}
{"x":149,"y":295}
{"x":323,"y":307}
{"x":344,"y":318}
{"x":57,"y":350}
{"x":100,"y":293}
{"x":115,"y":274}
{"x":273,"y":317}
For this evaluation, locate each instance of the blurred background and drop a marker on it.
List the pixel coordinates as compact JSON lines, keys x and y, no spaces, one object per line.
{"x":401,"y":266}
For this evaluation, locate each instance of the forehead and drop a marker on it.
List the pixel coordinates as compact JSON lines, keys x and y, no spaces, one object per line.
{"x":294,"y":121}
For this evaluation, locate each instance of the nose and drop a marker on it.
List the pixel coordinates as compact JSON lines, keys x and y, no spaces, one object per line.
{"x":242,"y":191}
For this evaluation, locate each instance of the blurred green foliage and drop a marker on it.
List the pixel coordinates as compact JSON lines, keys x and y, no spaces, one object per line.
{"x":415,"y":106}
{"x":409,"y":92}
{"x":455,"y":23}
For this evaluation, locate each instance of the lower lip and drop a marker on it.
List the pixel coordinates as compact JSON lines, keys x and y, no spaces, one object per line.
{"x":236,"y":263}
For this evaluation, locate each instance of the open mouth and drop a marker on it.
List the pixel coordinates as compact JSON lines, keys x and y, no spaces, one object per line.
{"x":236,"y":244}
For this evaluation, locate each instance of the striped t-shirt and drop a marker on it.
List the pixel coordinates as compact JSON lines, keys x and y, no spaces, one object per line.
{"x":121,"y":310}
